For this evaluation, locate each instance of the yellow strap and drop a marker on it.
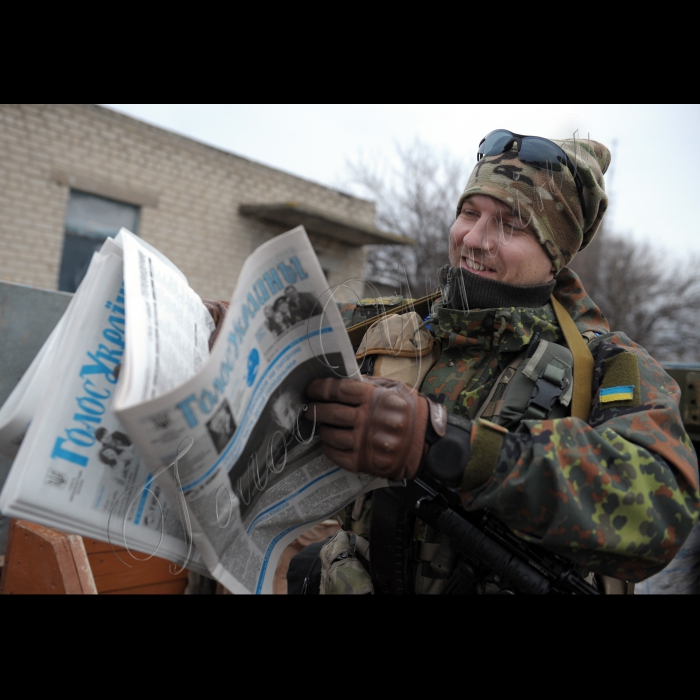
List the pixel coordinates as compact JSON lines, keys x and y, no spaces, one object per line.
{"x":583,"y":363}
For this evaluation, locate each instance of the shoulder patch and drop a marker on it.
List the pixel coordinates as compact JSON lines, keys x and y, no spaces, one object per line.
{"x":620,"y":385}
{"x":617,"y":393}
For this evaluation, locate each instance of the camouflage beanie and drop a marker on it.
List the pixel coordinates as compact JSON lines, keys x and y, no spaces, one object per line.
{"x":549,"y":200}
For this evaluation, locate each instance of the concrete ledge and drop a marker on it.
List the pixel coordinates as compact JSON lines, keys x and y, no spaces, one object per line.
{"x":349,"y":232}
{"x":102,"y":188}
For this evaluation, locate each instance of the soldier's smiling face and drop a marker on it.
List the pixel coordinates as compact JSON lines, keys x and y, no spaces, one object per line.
{"x":488,"y":239}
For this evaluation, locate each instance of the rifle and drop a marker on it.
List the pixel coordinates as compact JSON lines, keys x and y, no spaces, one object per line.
{"x":486,"y":544}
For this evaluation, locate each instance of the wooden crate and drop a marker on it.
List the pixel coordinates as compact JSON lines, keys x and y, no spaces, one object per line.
{"x":144,"y":577}
{"x":40,"y":560}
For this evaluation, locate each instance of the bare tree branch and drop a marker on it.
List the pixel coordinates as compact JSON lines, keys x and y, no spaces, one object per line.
{"x":417,"y":200}
{"x":643,"y":291}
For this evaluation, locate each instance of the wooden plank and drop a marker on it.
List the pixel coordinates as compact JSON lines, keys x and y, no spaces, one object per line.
{"x":112,"y":575}
{"x":117,"y":583}
{"x":40,"y":560}
{"x":175,"y":587}
{"x":92,"y":546}
{"x":82,"y":564}
{"x":104,"y":563}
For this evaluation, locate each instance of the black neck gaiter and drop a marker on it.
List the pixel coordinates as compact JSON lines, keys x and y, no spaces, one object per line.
{"x":466,"y":291}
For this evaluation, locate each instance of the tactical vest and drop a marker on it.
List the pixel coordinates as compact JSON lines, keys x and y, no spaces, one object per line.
{"x":536,"y":385}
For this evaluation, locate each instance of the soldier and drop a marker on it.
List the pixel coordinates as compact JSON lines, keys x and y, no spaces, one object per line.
{"x":598,"y":469}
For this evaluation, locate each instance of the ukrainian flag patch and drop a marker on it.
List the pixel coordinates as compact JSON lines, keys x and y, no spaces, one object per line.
{"x":616,"y":393}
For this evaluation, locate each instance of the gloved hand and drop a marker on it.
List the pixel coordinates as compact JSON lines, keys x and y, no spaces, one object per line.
{"x":375,"y":426}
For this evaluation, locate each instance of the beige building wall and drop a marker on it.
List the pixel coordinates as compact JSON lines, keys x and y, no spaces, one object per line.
{"x":189,"y":195}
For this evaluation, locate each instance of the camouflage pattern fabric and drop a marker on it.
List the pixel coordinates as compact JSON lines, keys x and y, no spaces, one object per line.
{"x":548,"y":201}
{"x":618,"y":495}
{"x":341,"y":571}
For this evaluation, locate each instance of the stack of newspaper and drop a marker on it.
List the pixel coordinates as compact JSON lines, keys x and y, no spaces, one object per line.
{"x":125,"y":428}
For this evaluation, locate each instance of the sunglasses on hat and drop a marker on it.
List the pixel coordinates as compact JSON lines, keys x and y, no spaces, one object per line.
{"x":535,"y":151}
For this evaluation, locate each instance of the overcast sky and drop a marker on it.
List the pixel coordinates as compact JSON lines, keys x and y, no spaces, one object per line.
{"x":651,"y":178}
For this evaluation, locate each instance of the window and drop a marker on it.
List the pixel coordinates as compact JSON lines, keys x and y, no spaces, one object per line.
{"x":89,"y":221}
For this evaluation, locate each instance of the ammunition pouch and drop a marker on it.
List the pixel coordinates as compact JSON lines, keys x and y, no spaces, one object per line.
{"x":342,"y":572}
{"x":537,"y":386}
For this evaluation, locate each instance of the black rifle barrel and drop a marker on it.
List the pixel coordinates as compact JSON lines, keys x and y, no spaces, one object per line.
{"x":558,"y":570}
{"x":491,"y":545}
{"x":471,"y":542}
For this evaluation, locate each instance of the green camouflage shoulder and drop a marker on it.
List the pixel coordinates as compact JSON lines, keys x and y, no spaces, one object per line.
{"x":619,"y":496}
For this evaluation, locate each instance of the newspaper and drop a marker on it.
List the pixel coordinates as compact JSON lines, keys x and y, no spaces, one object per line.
{"x":74,"y":466}
{"x":205,"y":459}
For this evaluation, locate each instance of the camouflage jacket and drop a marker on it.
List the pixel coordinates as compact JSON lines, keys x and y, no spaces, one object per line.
{"x":619,"y":494}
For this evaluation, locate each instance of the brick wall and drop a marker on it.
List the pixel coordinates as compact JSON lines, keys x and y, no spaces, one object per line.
{"x":189,"y":195}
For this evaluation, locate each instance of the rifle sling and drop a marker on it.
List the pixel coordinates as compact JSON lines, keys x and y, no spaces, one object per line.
{"x":582,"y":363}
{"x":420,"y":306}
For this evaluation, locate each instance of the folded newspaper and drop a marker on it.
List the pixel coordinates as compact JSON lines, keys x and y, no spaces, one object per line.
{"x":125,"y":428}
